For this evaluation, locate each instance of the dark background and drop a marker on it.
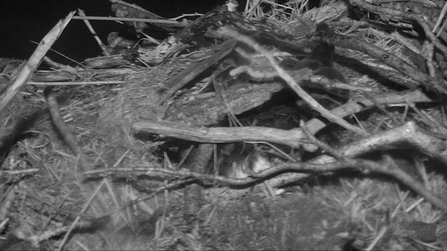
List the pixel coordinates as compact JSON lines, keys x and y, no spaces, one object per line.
{"x":23,"y":21}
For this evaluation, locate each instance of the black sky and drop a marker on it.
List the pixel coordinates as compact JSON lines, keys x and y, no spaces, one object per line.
{"x":23,"y":21}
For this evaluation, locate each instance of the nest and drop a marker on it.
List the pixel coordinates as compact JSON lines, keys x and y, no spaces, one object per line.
{"x":116,"y":153}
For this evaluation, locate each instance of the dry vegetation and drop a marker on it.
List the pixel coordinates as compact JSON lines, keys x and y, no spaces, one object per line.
{"x":105,"y":174}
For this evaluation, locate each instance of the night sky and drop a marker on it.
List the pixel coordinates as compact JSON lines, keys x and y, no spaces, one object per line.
{"x":23,"y":21}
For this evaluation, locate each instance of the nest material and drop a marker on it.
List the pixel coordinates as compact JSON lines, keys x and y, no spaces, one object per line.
{"x":116,"y":128}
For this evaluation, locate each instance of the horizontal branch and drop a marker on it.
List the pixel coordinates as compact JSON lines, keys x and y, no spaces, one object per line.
{"x":293,"y":138}
{"x":220,"y":134}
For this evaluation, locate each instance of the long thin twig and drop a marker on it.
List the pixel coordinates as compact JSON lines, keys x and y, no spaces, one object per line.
{"x":131,"y":19}
{"x":226,"y":31}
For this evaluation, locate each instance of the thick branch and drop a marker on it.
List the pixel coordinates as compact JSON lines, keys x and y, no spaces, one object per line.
{"x":290,"y":138}
{"x":221,"y":134}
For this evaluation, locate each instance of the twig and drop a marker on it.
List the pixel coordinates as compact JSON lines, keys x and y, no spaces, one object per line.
{"x":220,"y":89}
{"x":75,"y":83}
{"x":70,"y":140}
{"x":293,"y":137}
{"x":302,"y":74}
{"x":404,"y":15}
{"x":408,"y":133}
{"x":211,"y":179}
{"x":378,"y":237}
{"x":393,"y":170}
{"x":192,"y":193}
{"x":33,"y":62}
{"x":61,"y":245}
{"x":90,"y":28}
{"x":186,"y":15}
{"x":64,"y":131}
{"x":226,"y":31}
{"x":380,"y":106}
{"x":423,"y":2}
{"x":7,"y":200}
{"x":332,"y":151}
{"x":221,"y":134}
{"x":353,"y":107}
{"x":441,"y":16}
{"x":403,"y":67}
{"x":56,"y":65}
{"x":174,"y":184}
{"x":16,"y":172}
{"x":131,"y":19}
{"x":429,"y":121}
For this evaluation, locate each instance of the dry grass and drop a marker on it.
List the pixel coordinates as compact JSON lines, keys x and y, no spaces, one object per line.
{"x":365,"y":212}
